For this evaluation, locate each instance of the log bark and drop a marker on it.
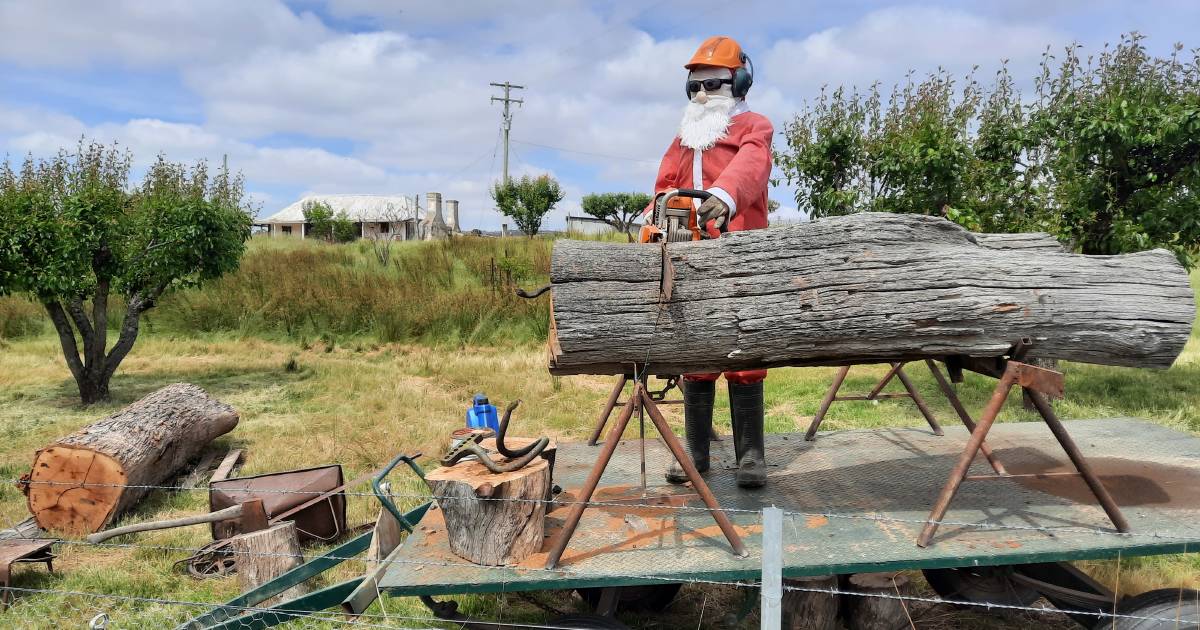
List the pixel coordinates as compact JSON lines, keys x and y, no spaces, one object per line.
{"x":865,"y":288}
{"x":265,"y":555}
{"x":803,"y":610}
{"x":84,"y":481}
{"x":492,"y":519}
{"x":864,"y":612}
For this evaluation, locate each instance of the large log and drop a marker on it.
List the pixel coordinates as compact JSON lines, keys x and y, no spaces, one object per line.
{"x":865,"y":288}
{"x":82,"y":482}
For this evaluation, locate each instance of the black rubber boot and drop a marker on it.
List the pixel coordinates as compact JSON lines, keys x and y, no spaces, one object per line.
{"x":746,"y":410}
{"x":697,"y":425}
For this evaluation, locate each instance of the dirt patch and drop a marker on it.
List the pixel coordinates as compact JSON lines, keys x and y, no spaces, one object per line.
{"x":1130,"y":482}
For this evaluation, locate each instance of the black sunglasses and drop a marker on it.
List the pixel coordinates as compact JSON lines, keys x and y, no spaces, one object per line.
{"x":709,"y":85}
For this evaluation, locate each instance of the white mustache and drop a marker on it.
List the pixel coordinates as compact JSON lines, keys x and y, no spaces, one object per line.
{"x":705,"y":123}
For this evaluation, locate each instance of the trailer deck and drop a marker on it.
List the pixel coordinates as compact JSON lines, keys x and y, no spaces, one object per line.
{"x":854,"y":501}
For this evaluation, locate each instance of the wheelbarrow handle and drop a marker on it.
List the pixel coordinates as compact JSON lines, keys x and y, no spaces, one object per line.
{"x":384,"y":499}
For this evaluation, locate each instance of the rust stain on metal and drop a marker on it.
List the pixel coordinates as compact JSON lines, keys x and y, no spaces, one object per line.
{"x":815,"y":521}
{"x":1130,"y":482}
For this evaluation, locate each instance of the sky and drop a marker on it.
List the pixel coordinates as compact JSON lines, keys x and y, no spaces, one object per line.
{"x":393,"y":96}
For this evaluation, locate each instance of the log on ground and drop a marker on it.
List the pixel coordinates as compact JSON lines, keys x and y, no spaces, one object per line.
{"x":493,"y":519}
{"x":864,"y":288}
{"x":84,"y":481}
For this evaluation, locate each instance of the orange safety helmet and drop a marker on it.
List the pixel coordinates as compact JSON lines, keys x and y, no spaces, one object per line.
{"x":718,"y":51}
{"x":724,"y":52}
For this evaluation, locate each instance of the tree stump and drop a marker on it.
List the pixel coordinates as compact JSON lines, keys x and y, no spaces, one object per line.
{"x":493,"y":519}
{"x":266,"y":554}
{"x":804,"y":610}
{"x":82,"y":482}
{"x":864,"y":612}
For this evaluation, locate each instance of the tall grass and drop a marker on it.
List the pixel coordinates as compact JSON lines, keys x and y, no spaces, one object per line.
{"x":458,"y":290}
{"x":20,"y":317}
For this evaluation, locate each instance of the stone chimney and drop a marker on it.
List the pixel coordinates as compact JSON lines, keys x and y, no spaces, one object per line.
{"x":452,"y":215}
{"x":435,"y":224}
{"x":433,"y":208}
{"x":504,"y":229}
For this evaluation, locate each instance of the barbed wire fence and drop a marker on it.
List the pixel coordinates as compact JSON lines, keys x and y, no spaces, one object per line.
{"x":43,"y":606}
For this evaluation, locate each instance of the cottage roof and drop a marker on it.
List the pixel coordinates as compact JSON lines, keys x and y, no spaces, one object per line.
{"x":357,"y":207}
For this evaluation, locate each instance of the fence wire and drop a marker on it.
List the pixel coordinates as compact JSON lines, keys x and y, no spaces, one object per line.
{"x":44,"y":607}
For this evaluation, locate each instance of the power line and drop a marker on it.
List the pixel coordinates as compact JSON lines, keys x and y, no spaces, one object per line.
{"x":591,"y":153}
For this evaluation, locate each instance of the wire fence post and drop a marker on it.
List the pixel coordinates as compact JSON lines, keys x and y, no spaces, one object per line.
{"x":772,"y":568}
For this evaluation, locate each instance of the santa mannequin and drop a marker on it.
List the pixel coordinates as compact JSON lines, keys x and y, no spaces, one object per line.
{"x":725,"y":149}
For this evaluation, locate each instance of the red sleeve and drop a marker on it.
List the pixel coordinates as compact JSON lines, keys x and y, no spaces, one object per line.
{"x":747,"y":175}
{"x":668,"y":172}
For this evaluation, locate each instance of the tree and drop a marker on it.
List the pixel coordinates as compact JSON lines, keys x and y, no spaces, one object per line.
{"x":73,"y":234}
{"x":394,"y":216}
{"x":618,"y":209}
{"x":1105,"y":157}
{"x":1121,"y":140}
{"x":319,"y":217}
{"x":342,"y":229}
{"x":527,"y":201}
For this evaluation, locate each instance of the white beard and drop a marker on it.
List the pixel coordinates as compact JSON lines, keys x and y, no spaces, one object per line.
{"x":704,"y":124}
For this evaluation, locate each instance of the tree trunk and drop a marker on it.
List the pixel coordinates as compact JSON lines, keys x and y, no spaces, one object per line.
{"x":864,"y":612}
{"x":492,"y":519}
{"x":865,"y":288}
{"x":82,"y":482}
{"x":803,"y":610}
{"x":266,"y":554}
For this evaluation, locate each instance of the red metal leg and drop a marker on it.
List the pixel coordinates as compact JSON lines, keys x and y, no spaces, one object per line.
{"x":887,"y":378}
{"x":1077,"y":458}
{"x":999,"y":395}
{"x":608,"y":408}
{"x":826,"y":402}
{"x":918,"y":401}
{"x":952,"y":396}
{"x":701,"y":488}
{"x":593,"y":480}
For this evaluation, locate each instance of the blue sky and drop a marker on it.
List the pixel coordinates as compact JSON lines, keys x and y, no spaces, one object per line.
{"x":392,"y":97}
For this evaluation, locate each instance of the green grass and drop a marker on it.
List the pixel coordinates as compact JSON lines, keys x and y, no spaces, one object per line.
{"x":307,"y":398}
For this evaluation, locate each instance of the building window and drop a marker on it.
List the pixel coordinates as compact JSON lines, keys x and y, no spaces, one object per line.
{"x":384,"y":228}
{"x":287,"y":229}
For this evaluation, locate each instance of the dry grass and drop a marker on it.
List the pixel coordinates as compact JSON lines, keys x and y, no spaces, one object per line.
{"x":357,"y":400}
{"x":359,"y":403}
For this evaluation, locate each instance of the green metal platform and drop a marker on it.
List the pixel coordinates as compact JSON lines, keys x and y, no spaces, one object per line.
{"x":856,"y":501}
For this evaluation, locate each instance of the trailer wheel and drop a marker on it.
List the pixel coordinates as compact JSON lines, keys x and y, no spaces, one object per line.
{"x":651,"y":597}
{"x":1171,"y":608}
{"x":992,"y":585}
{"x":587,"y":621}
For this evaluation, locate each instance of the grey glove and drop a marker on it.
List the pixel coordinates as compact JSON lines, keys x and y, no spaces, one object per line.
{"x":713,"y":209}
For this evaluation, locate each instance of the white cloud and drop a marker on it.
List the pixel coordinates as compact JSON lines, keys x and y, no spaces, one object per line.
{"x":407,"y":92}
{"x":147,"y":34}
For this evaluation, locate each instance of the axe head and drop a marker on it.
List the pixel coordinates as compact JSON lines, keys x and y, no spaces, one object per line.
{"x":253,"y":518}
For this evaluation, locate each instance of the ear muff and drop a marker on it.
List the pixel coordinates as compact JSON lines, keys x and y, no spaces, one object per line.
{"x":743,"y":77}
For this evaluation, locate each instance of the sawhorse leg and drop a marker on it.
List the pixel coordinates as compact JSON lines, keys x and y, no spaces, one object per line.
{"x":637,"y":400}
{"x":608,"y":408}
{"x":840,"y":377}
{"x":952,"y":396}
{"x":1036,"y":382}
{"x":896,"y":371}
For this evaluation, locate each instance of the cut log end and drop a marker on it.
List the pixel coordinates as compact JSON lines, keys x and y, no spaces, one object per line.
{"x":493,"y":519}
{"x":74,"y":491}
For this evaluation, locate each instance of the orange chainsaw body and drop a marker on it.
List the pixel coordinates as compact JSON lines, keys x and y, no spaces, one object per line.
{"x":668,"y":221}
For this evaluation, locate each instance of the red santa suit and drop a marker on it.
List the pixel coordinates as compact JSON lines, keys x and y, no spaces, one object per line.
{"x":735,"y":170}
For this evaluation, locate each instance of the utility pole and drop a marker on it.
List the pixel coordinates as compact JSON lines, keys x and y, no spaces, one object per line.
{"x":507,"y":124}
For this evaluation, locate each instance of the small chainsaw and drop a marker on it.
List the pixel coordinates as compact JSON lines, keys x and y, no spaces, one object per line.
{"x":673,"y":218}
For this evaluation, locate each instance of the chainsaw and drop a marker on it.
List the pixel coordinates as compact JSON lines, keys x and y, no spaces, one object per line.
{"x":673,"y":218}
